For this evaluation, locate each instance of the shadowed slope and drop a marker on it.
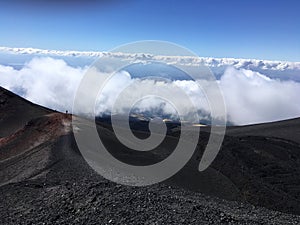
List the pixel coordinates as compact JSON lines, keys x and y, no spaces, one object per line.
{"x":15,"y":112}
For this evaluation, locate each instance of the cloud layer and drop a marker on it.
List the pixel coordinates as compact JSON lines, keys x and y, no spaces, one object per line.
{"x":250,"y":97}
{"x":183,"y":60}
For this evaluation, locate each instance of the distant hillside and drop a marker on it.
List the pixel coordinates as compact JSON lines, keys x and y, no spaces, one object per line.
{"x":286,"y":129}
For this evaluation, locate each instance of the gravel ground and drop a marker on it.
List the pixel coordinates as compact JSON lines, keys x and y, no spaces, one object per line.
{"x":69,"y":192}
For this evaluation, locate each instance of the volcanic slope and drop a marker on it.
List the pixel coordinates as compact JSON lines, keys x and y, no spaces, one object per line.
{"x":45,"y":180}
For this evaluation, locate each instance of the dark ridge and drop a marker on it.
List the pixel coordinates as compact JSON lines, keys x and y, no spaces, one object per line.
{"x":15,"y":112}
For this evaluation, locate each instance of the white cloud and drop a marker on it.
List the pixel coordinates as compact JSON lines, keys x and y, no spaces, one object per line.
{"x":250,"y":96}
{"x":138,"y":88}
{"x":182,"y":60}
{"x":45,"y":81}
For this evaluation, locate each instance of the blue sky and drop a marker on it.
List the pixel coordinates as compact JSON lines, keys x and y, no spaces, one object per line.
{"x":241,"y":29}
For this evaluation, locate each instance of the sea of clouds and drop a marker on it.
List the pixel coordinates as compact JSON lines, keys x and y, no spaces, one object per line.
{"x":250,"y":96}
